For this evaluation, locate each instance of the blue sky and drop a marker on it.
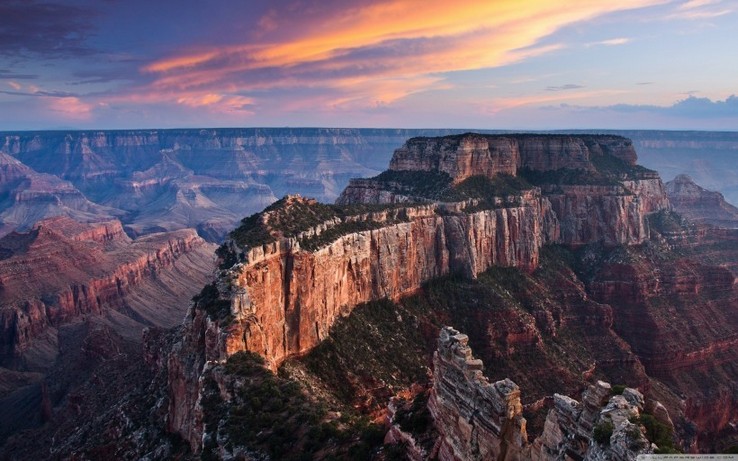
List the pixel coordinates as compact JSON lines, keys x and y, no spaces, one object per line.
{"x":393,"y":63}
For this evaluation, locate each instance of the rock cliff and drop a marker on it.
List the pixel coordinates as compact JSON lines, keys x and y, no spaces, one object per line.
{"x":594,"y":187}
{"x":62,"y":270}
{"x":284,"y":284}
{"x":480,"y":420}
{"x":699,"y":204}
{"x":156,"y":180}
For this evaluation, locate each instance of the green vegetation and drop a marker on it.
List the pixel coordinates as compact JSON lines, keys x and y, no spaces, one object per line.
{"x":274,"y":415}
{"x":435,"y":185}
{"x":426,"y":184}
{"x":333,"y":233}
{"x":610,"y":165}
{"x":566,"y":176}
{"x":608,"y":170}
{"x":482,"y":187}
{"x":227,"y":256}
{"x":617,"y":389}
{"x":209,"y":300}
{"x":602,"y":432}
{"x":286,"y":217}
{"x":658,"y":433}
{"x":289,"y":217}
{"x":379,"y":342}
{"x":666,"y":221}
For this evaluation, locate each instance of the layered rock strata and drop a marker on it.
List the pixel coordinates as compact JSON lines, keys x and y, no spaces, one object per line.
{"x":62,"y":270}
{"x":699,"y":204}
{"x":480,"y":420}
{"x":284,"y":298}
{"x":477,"y":419}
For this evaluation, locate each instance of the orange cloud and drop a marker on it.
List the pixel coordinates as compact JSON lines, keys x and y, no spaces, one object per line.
{"x":408,"y":41}
{"x":71,"y":107}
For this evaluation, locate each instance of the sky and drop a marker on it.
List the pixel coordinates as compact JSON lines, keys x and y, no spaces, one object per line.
{"x":489,"y":64}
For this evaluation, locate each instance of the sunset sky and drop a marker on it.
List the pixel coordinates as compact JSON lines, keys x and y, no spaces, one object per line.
{"x":492,"y":64}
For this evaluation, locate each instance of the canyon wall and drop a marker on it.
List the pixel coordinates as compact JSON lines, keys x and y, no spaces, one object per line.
{"x":470,"y":154}
{"x":699,"y":204}
{"x":480,"y":420}
{"x":285,"y":299}
{"x":62,"y":270}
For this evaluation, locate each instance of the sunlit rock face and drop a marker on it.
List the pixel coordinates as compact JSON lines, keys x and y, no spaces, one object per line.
{"x":284,"y":298}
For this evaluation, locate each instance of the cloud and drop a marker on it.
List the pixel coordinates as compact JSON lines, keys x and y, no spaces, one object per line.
{"x":35,"y":28}
{"x":9,"y":74}
{"x":691,"y":108}
{"x":70,"y":107}
{"x":611,"y":42}
{"x":700,"y":9}
{"x":568,"y":86}
{"x":365,"y":47}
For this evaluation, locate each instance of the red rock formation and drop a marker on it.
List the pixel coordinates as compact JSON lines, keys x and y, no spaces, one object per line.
{"x":480,"y":420}
{"x":471,"y":154}
{"x":459,"y":156}
{"x":678,"y":315}
{"x":285,"y":299}
{"x":477,"y":419}
{"x":62,"y":270}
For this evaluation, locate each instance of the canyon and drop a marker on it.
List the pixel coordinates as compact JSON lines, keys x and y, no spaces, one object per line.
{"x":557,"y":255}
{"x":63,"y":276}
{"x":155,"y":180}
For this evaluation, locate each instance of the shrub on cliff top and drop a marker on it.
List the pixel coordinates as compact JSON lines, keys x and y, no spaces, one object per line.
{"x":602,"y":432}
{"x":275,"y":415}
{"x":290,"y":216}
{"x":209,"y":300}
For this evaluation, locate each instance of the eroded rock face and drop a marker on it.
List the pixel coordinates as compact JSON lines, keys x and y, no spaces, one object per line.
{"x":477,"y":419}
{"x":62,"y":270}
{"x":472,"y":154}
{"x":459,"y":156}
{"x":480,"y":420}
{"x":285,"y":299}
{"x":613,"y":213}
{"x":699,"y":204}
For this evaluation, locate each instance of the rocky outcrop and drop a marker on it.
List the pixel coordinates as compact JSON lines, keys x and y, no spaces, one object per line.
{"x":62,"y":270}
{"x":285,"y":299}
{"x":458,"y":156}
{"x":590,"y":213}
{"x":462,"y":156}
{"x":479,"y":420}
{"x":699,"y":204}
{"x":611,"y":211}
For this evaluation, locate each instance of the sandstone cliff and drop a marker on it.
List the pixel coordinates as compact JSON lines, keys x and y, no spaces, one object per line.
{"x":62,"y":270}
{"x":289,"y":284}
{"x":594,"y":187}
{"x":480,"y":420}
